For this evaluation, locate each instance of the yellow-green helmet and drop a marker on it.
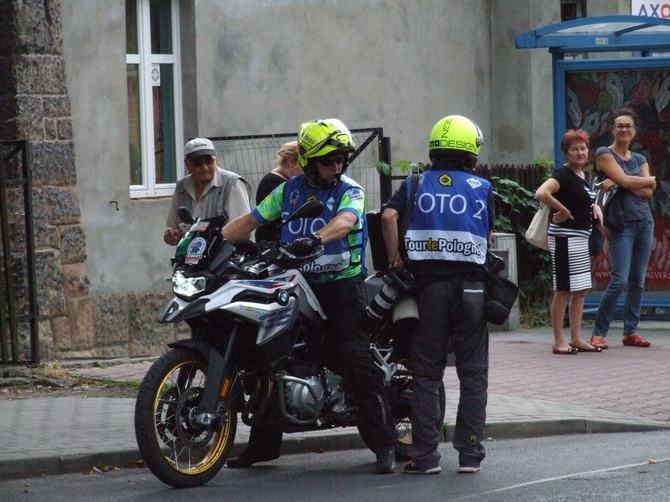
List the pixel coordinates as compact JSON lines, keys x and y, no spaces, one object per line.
{"x":320,"y":138}
{"x":456,"y":137}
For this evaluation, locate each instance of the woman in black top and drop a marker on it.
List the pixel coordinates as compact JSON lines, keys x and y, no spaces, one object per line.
{"x":287,"y":167}
{"x":571,"y":199}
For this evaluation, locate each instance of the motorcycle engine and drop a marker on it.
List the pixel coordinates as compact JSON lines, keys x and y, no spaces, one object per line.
{"x":299,"y":399}
{"x":327,"y":387}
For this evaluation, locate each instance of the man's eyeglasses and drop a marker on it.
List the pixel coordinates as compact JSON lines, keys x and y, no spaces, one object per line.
{"x":202,"y":160}
{"x":331,"y":160}
{"x":625,"y":126}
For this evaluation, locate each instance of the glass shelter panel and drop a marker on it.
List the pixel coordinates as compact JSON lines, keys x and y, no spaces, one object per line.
{"x":591,"y":98}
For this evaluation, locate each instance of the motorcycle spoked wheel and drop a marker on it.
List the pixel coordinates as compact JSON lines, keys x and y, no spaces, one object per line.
{"x":403,"y":426}
{"x":178,"y":451}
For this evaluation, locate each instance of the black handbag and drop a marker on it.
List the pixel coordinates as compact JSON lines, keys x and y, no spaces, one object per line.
{"x":614,"y":211}
{"x":612,"y":202}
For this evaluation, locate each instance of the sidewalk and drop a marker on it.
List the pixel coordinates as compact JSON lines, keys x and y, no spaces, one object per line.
{"x":531,"y":393}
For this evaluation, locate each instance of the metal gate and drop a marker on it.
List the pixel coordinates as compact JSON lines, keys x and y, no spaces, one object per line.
{"x":18,"y":296}
{"x":254,"y":156}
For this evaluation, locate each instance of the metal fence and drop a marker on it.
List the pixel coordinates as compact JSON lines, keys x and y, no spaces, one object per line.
{"x":255,"y":156}
{"x":18,"y":296}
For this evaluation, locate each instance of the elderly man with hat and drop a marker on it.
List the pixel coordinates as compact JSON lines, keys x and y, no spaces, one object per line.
{"x":207,"y":191}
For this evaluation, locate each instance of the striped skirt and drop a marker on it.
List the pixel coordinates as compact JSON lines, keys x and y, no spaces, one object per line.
{"x":571,"y":263}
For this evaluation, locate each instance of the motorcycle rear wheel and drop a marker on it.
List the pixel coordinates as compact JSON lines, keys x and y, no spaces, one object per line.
{"x":403,"y":426}
{"x":178,"y":451}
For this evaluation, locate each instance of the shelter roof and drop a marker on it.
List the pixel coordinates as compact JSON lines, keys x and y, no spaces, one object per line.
{"x":601,"y":34}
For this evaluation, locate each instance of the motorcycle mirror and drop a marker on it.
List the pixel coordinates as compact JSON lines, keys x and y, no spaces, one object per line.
{"x":185,"y":215}
{"x":310,"y":209}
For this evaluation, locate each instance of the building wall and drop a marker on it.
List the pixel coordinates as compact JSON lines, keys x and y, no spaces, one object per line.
{"x":266,"y":67}
{"x":385,"y":63}
{"x":263,"y":68}
{"x":125,"y":246}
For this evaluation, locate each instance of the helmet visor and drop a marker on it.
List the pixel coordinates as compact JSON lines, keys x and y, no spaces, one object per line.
{"x":338,"y":140}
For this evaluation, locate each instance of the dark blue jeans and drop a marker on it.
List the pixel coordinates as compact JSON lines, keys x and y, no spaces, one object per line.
{"x":630,"y":249}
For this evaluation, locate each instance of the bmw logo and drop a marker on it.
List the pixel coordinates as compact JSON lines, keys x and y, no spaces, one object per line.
{"x":282,"y":298}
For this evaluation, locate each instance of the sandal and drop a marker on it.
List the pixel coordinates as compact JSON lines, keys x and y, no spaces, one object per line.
{"x":599,"y":341}
{"x":568,"y":352}
{"x":594,"y":348}
{"x":635,"y":340}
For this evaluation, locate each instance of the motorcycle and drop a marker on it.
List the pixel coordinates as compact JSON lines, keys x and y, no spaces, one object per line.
{"x":256,"y":328}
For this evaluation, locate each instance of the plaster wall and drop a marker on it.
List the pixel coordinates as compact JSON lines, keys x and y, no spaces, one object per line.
{"x":522,"y":111}
{"x":125,"y":250}
{"x":399,"y":65}
{"x":267,"y":66}
{"x":264,"y":67}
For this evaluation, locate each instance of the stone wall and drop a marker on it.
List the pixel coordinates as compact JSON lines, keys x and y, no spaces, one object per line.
{"x":34,"y":105}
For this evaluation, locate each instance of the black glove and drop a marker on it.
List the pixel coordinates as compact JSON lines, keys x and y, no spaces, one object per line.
{"x":305,"y":245}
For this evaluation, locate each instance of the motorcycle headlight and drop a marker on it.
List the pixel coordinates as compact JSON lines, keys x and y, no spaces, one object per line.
{"x":188,"y":287}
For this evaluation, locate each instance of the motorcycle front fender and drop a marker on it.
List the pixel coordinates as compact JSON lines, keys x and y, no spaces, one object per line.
{"x":179,"y":310}
{"x":211,"y":354}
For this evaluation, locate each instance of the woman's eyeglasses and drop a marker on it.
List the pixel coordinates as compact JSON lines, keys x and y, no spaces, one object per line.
{"x":627,"y":127}
{"x":202,"y":160}
{"x":331,"y":160}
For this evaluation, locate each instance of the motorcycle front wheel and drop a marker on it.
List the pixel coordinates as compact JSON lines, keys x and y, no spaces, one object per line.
{"x":177,"y":450}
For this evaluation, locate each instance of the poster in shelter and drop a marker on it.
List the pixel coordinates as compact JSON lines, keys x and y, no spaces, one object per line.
{"x":592,"y":97}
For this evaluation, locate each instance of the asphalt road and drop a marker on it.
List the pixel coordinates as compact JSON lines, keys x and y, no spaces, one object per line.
{"x":627,"y":467}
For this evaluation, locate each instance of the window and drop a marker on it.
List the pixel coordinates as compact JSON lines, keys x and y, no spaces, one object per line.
{"x":572,"y":9}
{"x":154,"y":96}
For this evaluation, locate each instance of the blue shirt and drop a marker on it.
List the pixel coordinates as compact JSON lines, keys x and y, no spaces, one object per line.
{"x":637,"y":208}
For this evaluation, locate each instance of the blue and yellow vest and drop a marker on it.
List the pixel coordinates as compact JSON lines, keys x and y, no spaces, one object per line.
{"x":341,"y":259}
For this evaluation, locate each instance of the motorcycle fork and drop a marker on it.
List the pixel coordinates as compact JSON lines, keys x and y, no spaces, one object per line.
{"x":219,"y":380}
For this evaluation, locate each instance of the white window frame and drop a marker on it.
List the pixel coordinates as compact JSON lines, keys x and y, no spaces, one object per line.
{"x":145,"y":60}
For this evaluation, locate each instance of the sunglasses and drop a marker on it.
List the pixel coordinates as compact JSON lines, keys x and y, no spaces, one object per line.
{"x":624,"y":126}
{"x":202,"y":160}
{"x":328,"y":162}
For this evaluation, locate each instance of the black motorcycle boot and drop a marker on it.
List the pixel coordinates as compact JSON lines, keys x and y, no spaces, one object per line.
{"x":385,"y":461}
{"x":264,"y":445}
{"x":247,"y":459}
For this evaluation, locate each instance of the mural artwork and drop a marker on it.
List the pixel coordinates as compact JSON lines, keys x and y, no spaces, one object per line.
{"x":592,"y":97}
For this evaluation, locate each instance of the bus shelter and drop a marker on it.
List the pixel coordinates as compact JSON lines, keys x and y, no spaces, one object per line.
{"x":600,"y":65}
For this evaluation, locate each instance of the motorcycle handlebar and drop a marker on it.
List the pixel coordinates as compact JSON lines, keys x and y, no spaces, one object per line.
{"x":275,"y":252}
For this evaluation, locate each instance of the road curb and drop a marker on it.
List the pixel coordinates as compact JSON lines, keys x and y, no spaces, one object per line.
{"x":127,"y":458}
{"x":544,"y":428}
